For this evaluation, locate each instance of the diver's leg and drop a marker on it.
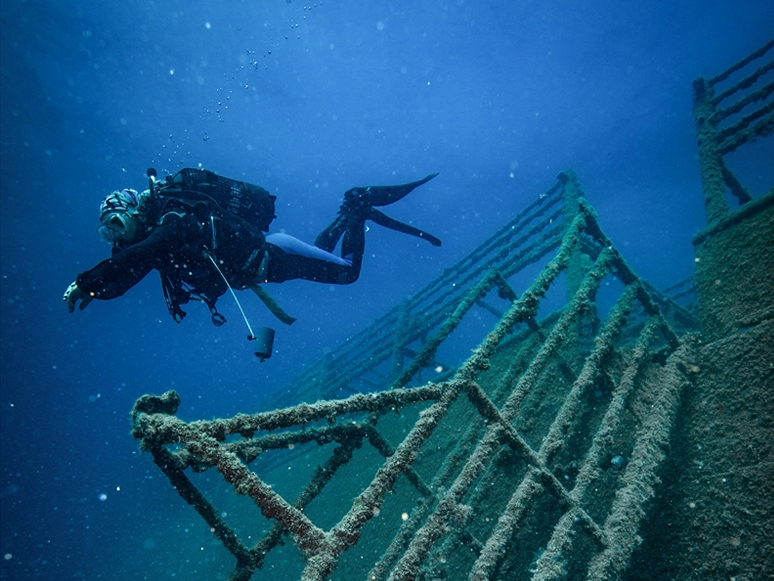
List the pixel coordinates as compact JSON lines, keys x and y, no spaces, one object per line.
{"x":353,"y":244}
{"x":290,"y":259}
{"x":328,"y":238}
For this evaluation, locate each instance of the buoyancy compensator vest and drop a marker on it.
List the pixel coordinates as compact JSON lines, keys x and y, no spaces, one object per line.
{"x":236,"y":213}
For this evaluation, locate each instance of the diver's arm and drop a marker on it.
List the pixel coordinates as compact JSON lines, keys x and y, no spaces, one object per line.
{"x":111,"y":278}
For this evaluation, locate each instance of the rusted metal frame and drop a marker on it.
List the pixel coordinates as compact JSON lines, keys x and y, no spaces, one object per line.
{"x":524,"y":217}
{"x":760,"y":129}
{"x":341,"y":455}
{"x":751,"y":209}
{"x":386,"y":450}
{"x":689,"y":283}
{"x":399,"y":340}
{"x":485,"y":258}
{"x":668,"y":303}
{"x":309,"y":538}
{"x":652,"y":308}
{"x":170,"y":466}
{"x":744,"y":83}
{"x":499,"y":426}
{"x":489,"y":308}
{"x":640,"y":476}
{"x":552,"y":484}
{"x":537,"y":478}
{"x":741,"y":64}
{"x":572,"y":406}
{"x":475,"y":263}
{"x":249,"y":450}
{"x":518,"y":261}
{"x":418,"y":516}
{"x":346,"y":533}
{"x":526,"y":307}
{"x":541,"y":232}
{"x":428,"y":350}
{"x":448,"y":507}
{"x":738,"y":106}
{"x":551,"y":563}
{"x":435,"y":311}
{"x":744,"y":122}
{"x":507,"y":292}
{"x":379,"y":353}
{"x":521,"y":310}
{"x":433,"y":317}
{"x":736,"y":187}
{"x":546,"y":244}
{"x":497,"y":543}
{"x":168,"y":429}
{"x":500,"y":422}
{"x":451,"y":286}
{"x":505,"y":383}
{"x":511,"y":437}
{"x":628,"y":277}
{"x":603,"y":438}
{"x":713,"y":184}
{"x":369,"y":339}
{"x":557,"y":335}
{"x":560,"y":539}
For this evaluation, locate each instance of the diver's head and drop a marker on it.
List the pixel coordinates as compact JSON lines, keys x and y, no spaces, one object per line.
{"x":121,"y":216}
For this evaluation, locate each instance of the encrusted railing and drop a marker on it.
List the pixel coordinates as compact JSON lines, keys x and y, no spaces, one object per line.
{"x":750,"y":117}
{"x":534,"y":458}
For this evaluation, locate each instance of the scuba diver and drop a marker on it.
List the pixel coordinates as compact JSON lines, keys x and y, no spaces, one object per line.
{"x":204,"y":233}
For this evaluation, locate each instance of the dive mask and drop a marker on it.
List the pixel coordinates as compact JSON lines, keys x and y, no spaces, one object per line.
{"x":118,"y":214}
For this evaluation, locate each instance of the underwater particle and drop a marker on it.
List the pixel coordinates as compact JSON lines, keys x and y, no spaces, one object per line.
{"x":404,"y":516}
{"x":7,"y":557}
{"x":617,"y":461}
{"x":207,"y":25}
{"x":102,"y":497}
{"x":439,"y":369}
{"x":380,"y":25}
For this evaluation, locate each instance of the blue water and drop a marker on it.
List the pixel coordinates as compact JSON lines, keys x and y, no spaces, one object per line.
{"x":306,"y":100}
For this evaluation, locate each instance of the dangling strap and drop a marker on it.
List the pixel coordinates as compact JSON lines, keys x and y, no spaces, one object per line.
{"x":173,"y":293}
{"x":272,"y":305}
{"x":215,"y":314}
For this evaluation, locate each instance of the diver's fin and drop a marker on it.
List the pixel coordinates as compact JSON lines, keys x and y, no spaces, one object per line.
{"x":386,"y":195}
{"x":392,"y":224}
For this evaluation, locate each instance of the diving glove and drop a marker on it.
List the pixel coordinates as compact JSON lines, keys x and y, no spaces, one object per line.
{"x":73,"y":294}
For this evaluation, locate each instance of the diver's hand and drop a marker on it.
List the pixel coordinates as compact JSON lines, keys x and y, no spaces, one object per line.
{"x":73,"y":294}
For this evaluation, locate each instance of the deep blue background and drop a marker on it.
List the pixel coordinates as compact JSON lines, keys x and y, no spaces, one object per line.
{"x":306,"y":100}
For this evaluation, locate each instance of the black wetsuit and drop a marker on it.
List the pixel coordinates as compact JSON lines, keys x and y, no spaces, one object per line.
{"x":179,"y":245}
{"x":184,"y":242}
